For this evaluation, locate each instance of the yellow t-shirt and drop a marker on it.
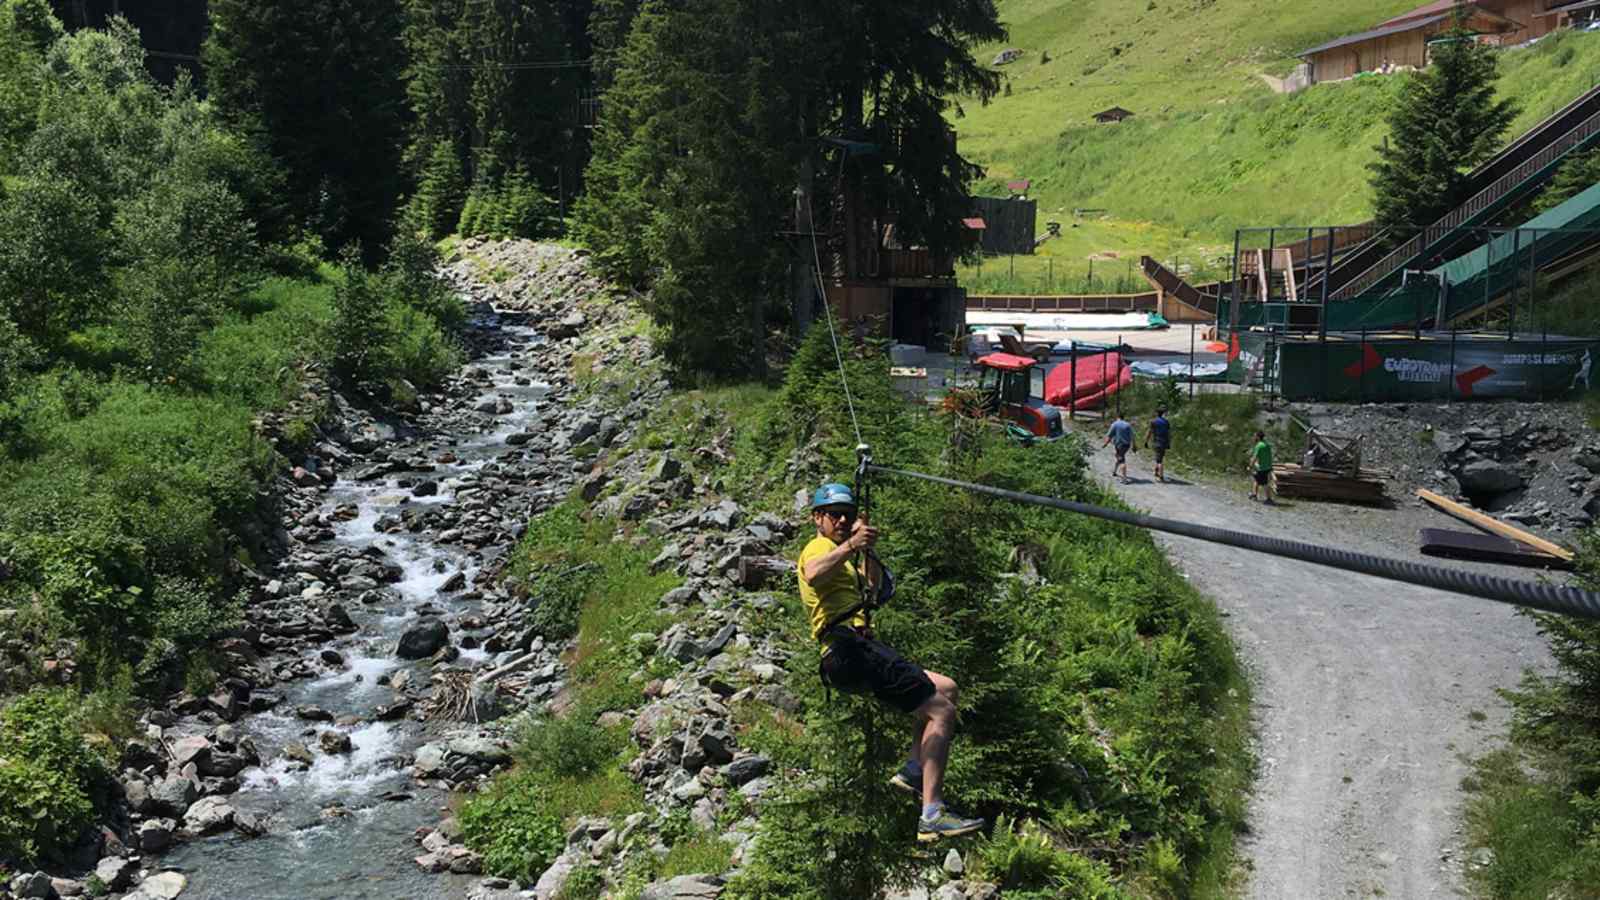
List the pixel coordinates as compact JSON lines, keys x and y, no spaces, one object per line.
{"x":832,"y":594}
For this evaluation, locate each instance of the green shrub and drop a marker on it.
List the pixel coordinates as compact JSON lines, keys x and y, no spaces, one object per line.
{"x":418,"y":350}
{"x":1025,"y":862}
{"x":569,"y":747}
{"x":120,"y":521}
{"x":1538,"y":806}
{"x":42,"y":812}
{"x":585,"y":883}
{"x":515,"y":826}
{"x":48,"y":775}
{"x":360,"y":323}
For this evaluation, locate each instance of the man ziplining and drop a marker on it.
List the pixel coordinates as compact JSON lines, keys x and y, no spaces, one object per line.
{"x":855,"y":662}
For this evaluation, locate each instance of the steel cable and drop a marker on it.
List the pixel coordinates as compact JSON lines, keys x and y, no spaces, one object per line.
{"x":1549,"y":598}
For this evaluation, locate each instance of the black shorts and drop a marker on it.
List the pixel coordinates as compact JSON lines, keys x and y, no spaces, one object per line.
{"x":1122,"y":452}
{"x":860,"y":665}
{"x":1262,"y":476}
{"x":1161,"y":454}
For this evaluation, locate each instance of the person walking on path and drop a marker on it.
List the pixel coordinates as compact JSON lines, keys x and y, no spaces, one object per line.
{"x":1160,"y":434}
{"x":855,"y":662}
{"x":1260,"y":458}
{"x":1121,"y":438}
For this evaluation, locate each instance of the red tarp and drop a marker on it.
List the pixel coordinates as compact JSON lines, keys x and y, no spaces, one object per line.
{"x":1009,"y":362}
{"x":1099,"y":376}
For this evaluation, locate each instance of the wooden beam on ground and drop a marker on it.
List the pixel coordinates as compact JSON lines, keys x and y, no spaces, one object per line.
{"x":1492,"y":525}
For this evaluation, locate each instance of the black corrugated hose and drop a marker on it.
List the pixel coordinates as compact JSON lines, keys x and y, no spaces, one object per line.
{"x":1550,"y":598}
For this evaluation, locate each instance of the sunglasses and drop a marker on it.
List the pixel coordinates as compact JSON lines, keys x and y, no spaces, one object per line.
{"x":841,"y":514}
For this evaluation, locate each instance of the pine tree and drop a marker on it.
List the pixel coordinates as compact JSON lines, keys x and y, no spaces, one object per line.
{"x":497,"y":81}
{"x":318,"y":86}
{"x":1446,"y":122}
{"x":690,"y":178}
{"x":715,"y":106}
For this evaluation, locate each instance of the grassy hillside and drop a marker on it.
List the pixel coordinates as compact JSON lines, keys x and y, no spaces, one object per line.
{"x":1211,"y":148}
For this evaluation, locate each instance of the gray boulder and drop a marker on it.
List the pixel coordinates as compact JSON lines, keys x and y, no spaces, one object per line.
{"x":424,"y":640}
{"x":207,"y":815}
{"x":554,"y":879}
{"x":335,"y":743}
{"x":684,"y":887}
{"x":1487,"y":478}
{"x":33,"y":884}
{"x":160,"y":886}
{"x":174,"y":794}
{"x":155,"y":835}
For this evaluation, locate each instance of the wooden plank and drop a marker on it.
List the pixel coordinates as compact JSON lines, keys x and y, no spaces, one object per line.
{"x":1492,"y":525}
{"x":1479,"y":547}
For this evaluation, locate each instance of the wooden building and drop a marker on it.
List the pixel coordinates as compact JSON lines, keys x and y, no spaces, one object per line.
{"x":1113,"y":115}
{"x":1402,"y":42}
{"x":875,"y":283}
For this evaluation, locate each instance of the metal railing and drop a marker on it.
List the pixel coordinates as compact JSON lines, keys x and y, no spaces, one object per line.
{"x":1361,"y":261}
{"x":1485,"y":199}
{"x":1063,"y":302}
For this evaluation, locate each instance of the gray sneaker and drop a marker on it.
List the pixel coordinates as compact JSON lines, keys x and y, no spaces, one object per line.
{"x":908,"y":781}
{"x":944,"y":825}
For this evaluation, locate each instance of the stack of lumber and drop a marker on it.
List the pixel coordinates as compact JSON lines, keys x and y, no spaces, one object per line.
{"x":1500,"y":542}
{"x":1289,"y":480}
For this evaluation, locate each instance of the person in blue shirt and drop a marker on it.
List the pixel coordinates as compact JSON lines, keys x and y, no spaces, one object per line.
{"x":1121,"y":438}
{"x":1160,"y":434}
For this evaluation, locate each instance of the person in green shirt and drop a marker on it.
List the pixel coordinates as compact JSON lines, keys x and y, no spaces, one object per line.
{"x":855,"y":662}
{"x":1261,"y":467}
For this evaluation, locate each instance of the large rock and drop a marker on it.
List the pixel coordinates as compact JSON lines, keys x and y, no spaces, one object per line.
{"x":335,"y":743}
{"x":554,"y":879}
{"x":208,"y":814}
{"x":424,"y":640}
{"x":115,"y":872}
{"x":174,"y":794}
{"x":684,"y":887}
{"x":155,"y":835}
{"x":160,"y":886}
{"x":33,"y":884}
{"x":195,"y":750}
{"x":741,"y":771}
{"x":481,"y":749}
{"x":1487,"y":478}
{"x":1588,"y":458}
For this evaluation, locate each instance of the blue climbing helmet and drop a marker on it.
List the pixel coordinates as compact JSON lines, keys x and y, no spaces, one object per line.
{"x":832,"y":494}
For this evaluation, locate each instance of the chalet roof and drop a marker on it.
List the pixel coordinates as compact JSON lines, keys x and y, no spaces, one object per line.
{"x":1019,"y":186}
{"x":975,"y":223}
{"x":1426,"y":9}
{"x":1113,"y":113}
{"x":1407,"y":23}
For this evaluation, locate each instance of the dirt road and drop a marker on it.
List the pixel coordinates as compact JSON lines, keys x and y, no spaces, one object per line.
{"x":1367,"y":693}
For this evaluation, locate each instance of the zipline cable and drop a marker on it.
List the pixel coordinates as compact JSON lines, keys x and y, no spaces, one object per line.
{"x":1550,"y":598}
{"x":822,"y":292}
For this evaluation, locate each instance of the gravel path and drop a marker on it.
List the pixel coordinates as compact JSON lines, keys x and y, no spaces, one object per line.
{"x":1368,"y":693}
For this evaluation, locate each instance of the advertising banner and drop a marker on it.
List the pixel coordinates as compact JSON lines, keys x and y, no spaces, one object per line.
{"x":1396,"y":370}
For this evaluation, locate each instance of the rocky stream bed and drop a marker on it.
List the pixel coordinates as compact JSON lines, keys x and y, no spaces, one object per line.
{"x":323,"y":763}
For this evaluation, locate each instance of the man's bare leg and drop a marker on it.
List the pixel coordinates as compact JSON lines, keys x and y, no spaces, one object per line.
{"x":936,"y":724}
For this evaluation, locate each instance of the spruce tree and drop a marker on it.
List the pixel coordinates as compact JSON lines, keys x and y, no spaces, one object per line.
{"x":1446,"y":122}
{"x":716,"y":106}
{"x":497,"y":82}
{"x":318,"y":86}
{"x":691,"y":175}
